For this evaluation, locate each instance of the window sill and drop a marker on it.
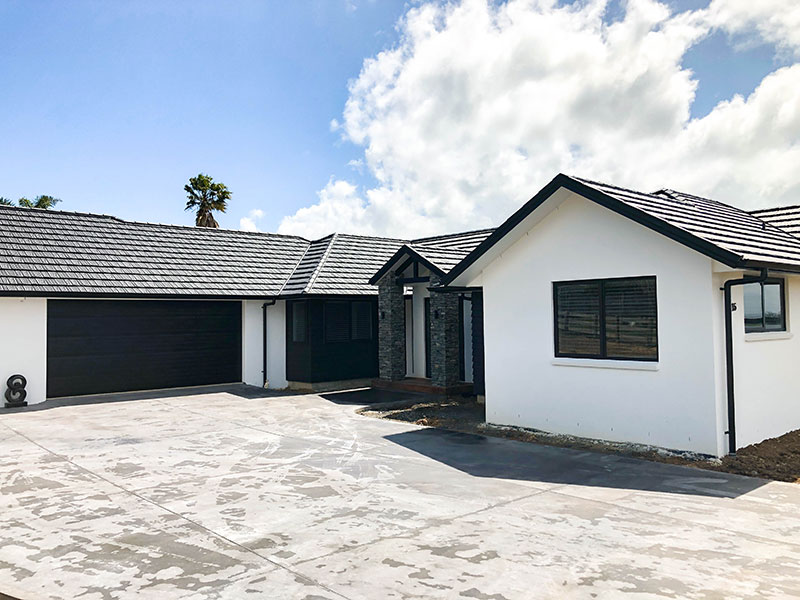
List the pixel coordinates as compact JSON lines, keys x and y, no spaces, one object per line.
{"x":629,"y":365}
{"x":767,"y":335}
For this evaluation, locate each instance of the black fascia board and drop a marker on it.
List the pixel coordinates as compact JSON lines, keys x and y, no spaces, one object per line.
{"x":454,"y":289}
{"x":726,"y":257}
{"x":152,"y":296}
{"x":403,"y":250}
{"x":134,"y":295}
{"x":772,"y":266}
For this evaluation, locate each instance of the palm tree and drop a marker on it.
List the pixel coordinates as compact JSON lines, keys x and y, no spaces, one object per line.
{"x":6,"y":202}
{"x":206,"y":196}
{"x":45,"y":202}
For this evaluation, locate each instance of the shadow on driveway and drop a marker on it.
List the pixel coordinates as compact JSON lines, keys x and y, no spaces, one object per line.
{"x":509,"y":459}
{"x":241,"y":390}
{"x":374,"y":396}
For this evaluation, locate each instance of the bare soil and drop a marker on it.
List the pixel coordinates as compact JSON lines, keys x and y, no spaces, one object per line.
{"x":775,"y":458}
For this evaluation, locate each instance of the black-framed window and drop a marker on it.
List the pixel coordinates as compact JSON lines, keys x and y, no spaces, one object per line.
{"x":348,"y":321}
{"x":337,"y":321}
{"x":606,"y":318}
{"x":764,"y":306}
{"x":299,"y":321}
{"x":361,"y":320}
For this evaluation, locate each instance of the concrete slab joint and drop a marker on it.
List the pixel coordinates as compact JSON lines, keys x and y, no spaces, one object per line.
{"x":391,"y":329}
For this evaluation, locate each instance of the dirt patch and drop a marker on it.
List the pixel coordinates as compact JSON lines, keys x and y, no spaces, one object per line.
{"x":776,"y":458}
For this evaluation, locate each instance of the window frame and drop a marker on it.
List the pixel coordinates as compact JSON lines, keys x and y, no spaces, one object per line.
{"x":348,"y":312}
{"x":371,"y":335}
{"x":294,"y":306}
{"x":603,"y":354}
{"x":784,"y":327}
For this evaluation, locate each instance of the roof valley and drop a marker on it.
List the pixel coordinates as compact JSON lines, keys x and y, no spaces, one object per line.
{"x":321,"y":262}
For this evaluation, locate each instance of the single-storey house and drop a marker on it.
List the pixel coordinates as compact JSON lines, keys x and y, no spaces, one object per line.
{"x":658,"y":318}
{"x":92,"y":304}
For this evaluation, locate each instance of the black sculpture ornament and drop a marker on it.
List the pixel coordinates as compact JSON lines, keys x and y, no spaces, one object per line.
{"x":15,"y":392}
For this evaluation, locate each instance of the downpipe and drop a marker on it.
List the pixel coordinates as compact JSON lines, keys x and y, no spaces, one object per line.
{"x":264,"y":350}
{"x":726,"y":288}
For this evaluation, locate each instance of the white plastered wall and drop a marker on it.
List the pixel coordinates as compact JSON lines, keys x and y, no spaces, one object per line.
{"x":409,"y":313}
{"x":672,"y":403}
{"x":420,"y":292}
{"x":23,"y":344}
{"x":767,"y":395}
{"x":466,"y":326}
{"x":253,"y":346}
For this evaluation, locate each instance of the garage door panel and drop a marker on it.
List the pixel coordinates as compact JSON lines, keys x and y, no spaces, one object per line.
{"x":110,"y":346}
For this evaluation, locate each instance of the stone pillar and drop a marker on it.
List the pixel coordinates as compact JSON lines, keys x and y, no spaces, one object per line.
{"x":445,"y":359}
{"x":391,"y":329}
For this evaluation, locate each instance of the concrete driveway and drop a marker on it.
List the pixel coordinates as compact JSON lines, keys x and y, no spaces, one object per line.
{"x":227,"y":494}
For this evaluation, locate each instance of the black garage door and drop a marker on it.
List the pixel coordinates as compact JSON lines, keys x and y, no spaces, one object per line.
{"x":97,"y":346}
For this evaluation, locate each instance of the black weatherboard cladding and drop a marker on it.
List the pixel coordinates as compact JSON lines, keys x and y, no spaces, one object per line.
{"x":319,"y":359}
{"x":98,"y":346}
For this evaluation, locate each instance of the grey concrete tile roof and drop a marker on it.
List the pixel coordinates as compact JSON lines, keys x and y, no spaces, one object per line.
{"x":64,"y":253}
{"x":783,"y":217}
{"x":341,"y":264}
{"x":749,"y":236}
{"x":446,"y":251}
{"x":56,"y":253}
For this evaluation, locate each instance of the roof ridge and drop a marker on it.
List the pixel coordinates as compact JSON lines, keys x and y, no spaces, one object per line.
{"x":608,"y":185}
{"x":729,"y":207}
{"x":49,"y":211}
{"x":763,"y":210}
{"x":423,"y":240}
{"x":322,"y":260}
{"x":367,"y":237}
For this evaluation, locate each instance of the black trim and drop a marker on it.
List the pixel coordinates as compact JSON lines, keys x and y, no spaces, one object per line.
{"x":675,"y":233}
{"x":405,"y":265}
{"x":462,"y":368}
{"x":603,"y":355}
{"x":427,"y":306}
{"x":264,"y":338}
{"x":410,"y":280}
{"x":478,"y":370}
{"x":135,"y":296}
{"x":729,"y":366}
{"x":402,"y":251}
{"x":454,"y":289}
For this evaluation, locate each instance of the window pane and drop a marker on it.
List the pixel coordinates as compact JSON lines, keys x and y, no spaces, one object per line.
{"x":578,"y":318}
{"x":752,"y":307}
{"x":299,"y":322}
{"x":337,"y":321}
{"x":362,"y":320}
{"x":773,"y":315}
{"x":631,"y":319}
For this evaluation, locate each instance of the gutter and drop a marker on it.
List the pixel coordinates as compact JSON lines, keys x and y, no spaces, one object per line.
{"x":264,"y":351}
{"x":726,"y":288}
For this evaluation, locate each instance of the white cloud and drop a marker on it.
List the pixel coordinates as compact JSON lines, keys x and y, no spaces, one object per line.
{"x":480,"y":104}
{"x":248,"y":223}
{"x":774,"y":21}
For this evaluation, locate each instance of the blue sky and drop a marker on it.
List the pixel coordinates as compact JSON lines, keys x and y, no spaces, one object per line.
{"x":112,"y":106}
